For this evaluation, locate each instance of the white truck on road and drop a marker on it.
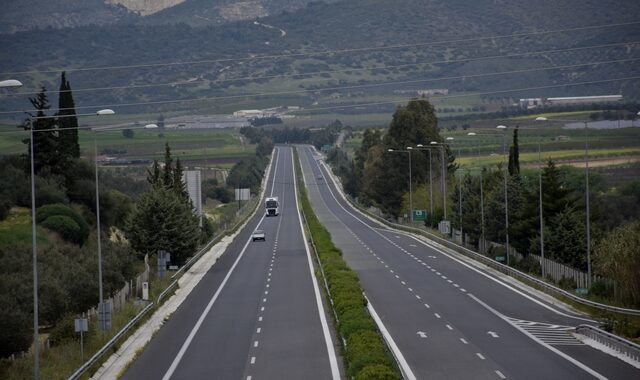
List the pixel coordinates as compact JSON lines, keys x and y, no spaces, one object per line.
{"x":271,"y":204}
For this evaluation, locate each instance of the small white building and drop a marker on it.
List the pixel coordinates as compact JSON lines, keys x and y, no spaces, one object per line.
{"x":249,"y":113}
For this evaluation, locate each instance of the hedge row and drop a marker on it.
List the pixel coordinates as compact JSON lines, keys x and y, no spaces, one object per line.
{"x":365,"y":353}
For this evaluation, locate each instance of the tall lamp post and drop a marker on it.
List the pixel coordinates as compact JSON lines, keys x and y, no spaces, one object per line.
{"x":408,"y":151}
{"x":13,"y":83}
{"x":587,"y":201}
{"x":506,"y":196}
{"x":540,"y":199}
{"x":472,"y":134}
{"x":443,"y":179}
{"x":102,"y":306}
{"x":422,"y":147}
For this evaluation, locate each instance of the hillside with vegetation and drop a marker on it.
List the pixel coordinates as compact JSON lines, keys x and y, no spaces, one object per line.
{"x":392,"y":47}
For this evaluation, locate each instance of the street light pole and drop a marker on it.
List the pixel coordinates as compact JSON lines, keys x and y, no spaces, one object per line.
{"x":13,"y":83}
{"x":410,"y":190}
{"x":422,"y":147}
{"x":506,"y":196}
{"x":408,"y":151}
{"x":34,"y":249}
{"x":481,"y":200}
{"x":542,"y":263}
{"x":102,"y":306}
{"x":588,"y":217}
{"x":443,"y":179}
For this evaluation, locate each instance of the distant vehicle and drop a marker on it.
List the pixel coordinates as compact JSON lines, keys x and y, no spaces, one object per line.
{"x":319,"y":177}
{"x":258,"y":235}
{"x":271,"y":204}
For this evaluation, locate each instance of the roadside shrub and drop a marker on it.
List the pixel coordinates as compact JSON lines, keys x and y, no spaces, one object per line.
{"x":365,"y":354}
{"x":601,"y":289}
{"x":57,"y":209}
{"x":5,"y":207}
{"x":64,"y":330}
{"x":377,"y":372}
{"x":364,"y":348}
{"x":355,"y":320}
{"x":567,"y":283}
{"x":66,"y":227}
{"x":528,"y":265}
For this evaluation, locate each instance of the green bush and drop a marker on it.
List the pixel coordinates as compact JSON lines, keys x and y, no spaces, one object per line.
{"x":601,"y":289}
{"x":57,"y":209}
{"x":5,"y":207}
{"x":567,"y":283}
{"x":529,"y":265}
{"x":365,"y":352}
{"x":64,"y":330}
{"x":355,"y":320}
{"x":364,"y":348}
{"x":377,"y":372}
{"x":64,"y":226}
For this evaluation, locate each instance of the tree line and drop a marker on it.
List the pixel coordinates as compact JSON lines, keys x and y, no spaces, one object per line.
{"x":152,"y":216}
{"x":378,"y":175}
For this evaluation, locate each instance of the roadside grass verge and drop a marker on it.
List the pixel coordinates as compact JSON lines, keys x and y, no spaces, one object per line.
{"x":365,"y":354}
{"x":17,"y":228}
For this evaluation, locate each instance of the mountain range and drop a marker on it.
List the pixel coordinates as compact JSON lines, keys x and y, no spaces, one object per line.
{"x":332,"y":53}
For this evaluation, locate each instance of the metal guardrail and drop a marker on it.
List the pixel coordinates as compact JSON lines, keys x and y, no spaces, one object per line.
{"x":488,"y":261}
{"x":614,"y":342}
{"x":83,"y":368}
{"x":91,"y":361}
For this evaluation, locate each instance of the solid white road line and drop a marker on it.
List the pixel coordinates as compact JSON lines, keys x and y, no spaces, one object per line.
{"x":333,"y":359}
{"x":402,"y":362}
{"x":390,"y":230}
{"x":213,"y":299}
{"x":533,"y":337}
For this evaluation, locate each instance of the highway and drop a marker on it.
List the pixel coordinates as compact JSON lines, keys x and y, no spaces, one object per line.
{"x":257,"y":313}
{"x":448,"y":318}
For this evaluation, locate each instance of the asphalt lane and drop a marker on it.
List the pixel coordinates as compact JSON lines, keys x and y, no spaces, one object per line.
{"x":255,"y":314}
{"x":475,"y":326}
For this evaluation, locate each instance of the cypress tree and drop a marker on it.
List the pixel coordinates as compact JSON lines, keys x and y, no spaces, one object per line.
{"x":153,"y":175}
{"x":178,"y":185}
{"x":514,"y":155}
{"x":167,"y":174}
{"x":45,"y":138}
{"x":68,"y":122}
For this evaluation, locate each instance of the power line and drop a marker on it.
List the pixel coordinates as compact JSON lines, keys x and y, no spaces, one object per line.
{"x":383,"y":67}
{"x":401,"y":101}
{"x":473,"y":94}
{"x":324,"y":52}
{"x":291,"y":92}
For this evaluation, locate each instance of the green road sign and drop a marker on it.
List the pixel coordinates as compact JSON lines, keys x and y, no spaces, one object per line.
{"x":501,"y":258}
{"x":582,"y":291}
{"x":419,"y":215}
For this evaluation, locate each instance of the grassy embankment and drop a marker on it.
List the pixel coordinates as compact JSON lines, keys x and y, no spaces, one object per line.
{"x":365,"y":353}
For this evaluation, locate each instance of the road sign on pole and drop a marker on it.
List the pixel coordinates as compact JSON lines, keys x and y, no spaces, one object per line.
{"x":419,"y":215}
{"x":81,"y":325}
{"x":444,"y":227}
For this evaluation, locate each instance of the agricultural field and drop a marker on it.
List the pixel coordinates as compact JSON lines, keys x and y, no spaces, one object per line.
{"x":211,"y":147}
{"x":607,"y":147}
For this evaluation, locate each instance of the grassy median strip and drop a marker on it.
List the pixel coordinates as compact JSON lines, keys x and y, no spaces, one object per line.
{"x":365,"y":353}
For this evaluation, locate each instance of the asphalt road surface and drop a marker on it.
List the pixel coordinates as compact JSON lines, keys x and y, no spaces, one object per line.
{"x":257,"y":314}
{"x":450,"y":319}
